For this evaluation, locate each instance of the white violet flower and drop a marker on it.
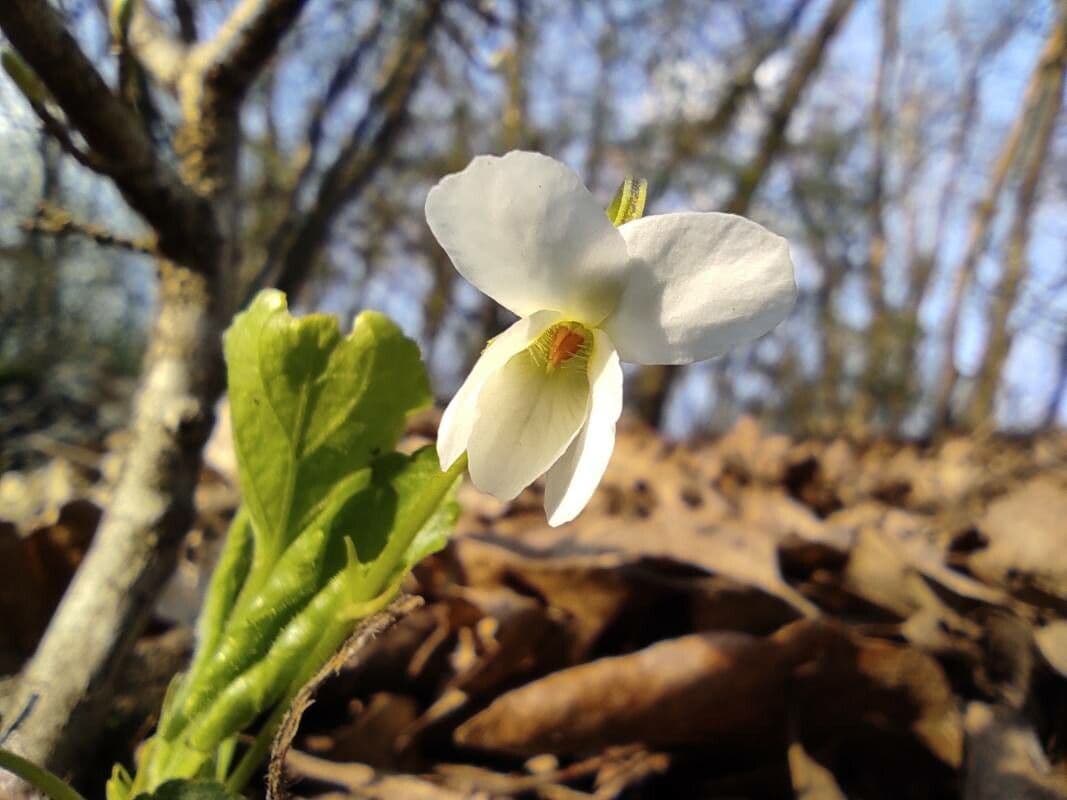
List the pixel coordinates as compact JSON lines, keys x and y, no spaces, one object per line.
{"x":544,"y":396}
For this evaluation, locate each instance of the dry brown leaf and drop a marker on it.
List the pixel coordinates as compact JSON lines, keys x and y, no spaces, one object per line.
{"x":726,"y":691}
{"x":1005,"y":759}
{"x":617,"y":775}
{"x":1026,"y":532}
{"x":1052,"y":642}
{"x":448,"y":707}
{"x":918,"y":678}
{"x":34,"y":572}
{"x":783,"y":516}
{"x":885,"y":573}
{"x":745,"y":553}
{"x":749,"y":449}
{"x":35,"y":499}
{"x":370,"y":738}
{"x":698,"y":688}
{"x":615,"y":769}
{"x":811,"y":780}
{"x":911,"y":537}
{"x":591,"y":591}
{"x":880,"y":573}
{"x":361,"y":781}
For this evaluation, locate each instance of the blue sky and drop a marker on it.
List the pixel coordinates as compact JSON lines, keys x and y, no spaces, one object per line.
{"x":692,"y":82}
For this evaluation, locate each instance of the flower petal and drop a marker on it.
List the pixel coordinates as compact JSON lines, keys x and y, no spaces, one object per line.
{"x":572,"y":480}
{"x":525,"y":230}
{"x":698,"y":285}
{"x":458,"y":419}
{"x":527,"y":417}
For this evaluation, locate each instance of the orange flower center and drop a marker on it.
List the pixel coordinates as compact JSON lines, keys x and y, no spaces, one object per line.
{"x":566,"y":343}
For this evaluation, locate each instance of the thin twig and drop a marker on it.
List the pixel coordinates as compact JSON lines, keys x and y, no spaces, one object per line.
{"x":248,"y":39}
{"x":113,"y":132}
{"x":59,"y":131}
{"x":55,"y":221}
{"x":301,"y":237}
{"x":293,"y":711}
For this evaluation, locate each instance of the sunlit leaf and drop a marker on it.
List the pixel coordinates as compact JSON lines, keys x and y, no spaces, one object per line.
{"x":310,"y":407}
{"x":190,"y":790}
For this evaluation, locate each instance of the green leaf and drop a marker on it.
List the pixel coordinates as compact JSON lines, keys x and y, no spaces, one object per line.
{"x":438,"y":527}
{"x":310,"y":407}
{"x":299,"y":574}
{"x":405,"y":511}
{"x":190,"y":790}
{"x":391,"y":514}
{"x":414,"y":510}
{"x":119,"y":784}
{"x":332,"y":520}
{"x":226,"y":582}
{"x":260,"y":686}
{"x":629,"y":201}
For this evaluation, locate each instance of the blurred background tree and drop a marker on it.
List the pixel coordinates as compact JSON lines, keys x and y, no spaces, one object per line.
{"x":912,"y":152}
{"x":162,"y":160}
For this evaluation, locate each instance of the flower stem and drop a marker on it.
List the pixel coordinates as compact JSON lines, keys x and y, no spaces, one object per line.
{"x":41,"y":778}
{"x":329,"y":643}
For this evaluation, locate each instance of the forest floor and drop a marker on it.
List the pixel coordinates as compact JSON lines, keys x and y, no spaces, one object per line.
{"x":753,"y":616}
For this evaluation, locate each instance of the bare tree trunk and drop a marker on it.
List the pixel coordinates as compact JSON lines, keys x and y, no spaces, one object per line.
{"x":652,"y":387}
{"x":1040,"y":135}
{"x":880,"y":332}
{"x":602,"y":112}
{"x":60,"y":696}
{"x":827,"y":395}
{"x":876,"y":246}
{"x":659,"y":383}
{"x":1059,"y":389}
{"x":978,"y":238}
{"x":689,"y":138}
{"x":516,"y":105}
{"x":808,"y":62}
{"x":66,"y":688}
{"x":923,"y":258}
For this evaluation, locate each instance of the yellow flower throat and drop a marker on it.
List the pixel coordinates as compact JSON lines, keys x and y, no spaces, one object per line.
{"x":565,"y":345}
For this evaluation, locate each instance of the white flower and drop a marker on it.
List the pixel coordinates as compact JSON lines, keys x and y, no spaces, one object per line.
{"x":544,"y":396}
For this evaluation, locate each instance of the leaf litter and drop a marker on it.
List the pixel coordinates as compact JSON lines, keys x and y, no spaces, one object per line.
{"x":751,"y":616}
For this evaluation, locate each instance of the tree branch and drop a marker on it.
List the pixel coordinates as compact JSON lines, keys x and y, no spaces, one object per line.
{"x":161,"y":55}
{"x":232,"y":60}
{"x":211,"y":90}
{"x":983,"y":402}
{"x":56,"y":221}
{"x":67,"y":685}
{"x":661,"y":379}
{"x":112,"y":131}
{"x":979,"y":234}
{"x":342,"y":77}
{"x":305,"y":160}
{"x":774,"y":135}
{"x":880,"y":333}
{"x":690,"y":137}
{"x":186,"y":15}
{"x":59,"y":132}
{"x":300,"y":239}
